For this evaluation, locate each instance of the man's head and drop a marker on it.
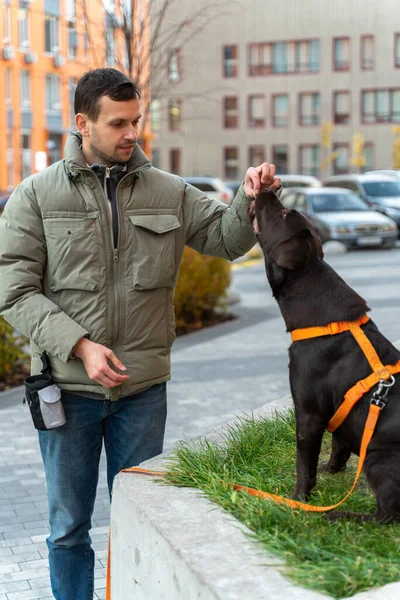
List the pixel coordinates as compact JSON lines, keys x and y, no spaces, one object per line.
{"x":107,"y":113}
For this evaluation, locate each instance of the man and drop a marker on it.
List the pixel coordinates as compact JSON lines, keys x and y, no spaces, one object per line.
{"x":90,"y":251}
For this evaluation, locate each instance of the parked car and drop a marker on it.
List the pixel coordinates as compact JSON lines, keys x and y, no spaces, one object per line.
{"x":382,"y":192}
{"x":389,"y":172}
{"x":213,"y":187}
{"x":339,"y":214}
{"x":234,"y":186}
{"x":299,"y":181}
{"x":3,"y":200}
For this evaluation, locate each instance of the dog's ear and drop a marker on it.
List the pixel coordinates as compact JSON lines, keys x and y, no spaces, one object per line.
{"x":294,"y":252}
{"x":276,"y":275}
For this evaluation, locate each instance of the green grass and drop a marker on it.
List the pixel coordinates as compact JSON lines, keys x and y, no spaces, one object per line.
{"x":339,"y":558}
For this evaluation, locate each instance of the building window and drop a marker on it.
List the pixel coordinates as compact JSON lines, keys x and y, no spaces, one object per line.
{"x":367,"y":52}
{"x":309,"y":109}
{"x":341,"y":159}
{"x":175,"y":161}
{"x":280,"y":110}
{"x":309,"y":159}
{"x":256,"y":111}
{"x":23,"y":23}
{"x":230,"y":54}
{"x":8,"y":99}
{"x":174,"y":66}
{"x":70,"y":12}
{"x":53,"y":94}
{"x":369,"y":156}
{"x":155,"y":158}
{"x":397,"y":50}
{"x":256,"y":156}
{"x":26,"y":155}
{"x":231,"y":112}
{"x":54,"y":147}
{"x":300,"y":56}
{"x":52,"y":33}
{"x":155,"y":115}
{"x":380,"y":106}
{"x":7,"y":23}
{"x":231,"y":162}
{"x":341,"y":54}
{"x":175,"y":114}
{"x":25,"y":90}
{"x":72,"y":43}
{"x":110,"y":45}
{"x":72,"y":83}
{"x":341,"y":108}
{"x":10,"y":160}
{"x":280,"y":158}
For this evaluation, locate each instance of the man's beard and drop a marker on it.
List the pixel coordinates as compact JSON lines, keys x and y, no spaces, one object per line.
{"x":105,"y":159}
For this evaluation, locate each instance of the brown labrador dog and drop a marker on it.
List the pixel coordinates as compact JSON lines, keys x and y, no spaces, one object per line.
{"x":310,"y":293}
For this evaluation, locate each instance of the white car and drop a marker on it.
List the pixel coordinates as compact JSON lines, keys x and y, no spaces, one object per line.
{"x":289,"y":181}
{"x":213,"y":187}
{"x":389,"y":172}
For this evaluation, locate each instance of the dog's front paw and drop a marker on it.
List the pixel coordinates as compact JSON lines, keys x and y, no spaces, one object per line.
{"x":299,"y":495}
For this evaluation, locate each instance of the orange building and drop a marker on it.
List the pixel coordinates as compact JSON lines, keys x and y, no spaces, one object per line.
{"x":46,"y":46}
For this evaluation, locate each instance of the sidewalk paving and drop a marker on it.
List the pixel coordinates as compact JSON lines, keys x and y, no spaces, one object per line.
{"x":217,"y":373}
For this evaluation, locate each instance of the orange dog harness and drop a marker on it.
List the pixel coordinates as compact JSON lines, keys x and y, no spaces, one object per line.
{"x":380,"y":372}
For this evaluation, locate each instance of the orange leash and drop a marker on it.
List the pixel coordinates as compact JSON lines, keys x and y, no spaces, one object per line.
{"x":370,"y":425}
{"x":380,"y":374}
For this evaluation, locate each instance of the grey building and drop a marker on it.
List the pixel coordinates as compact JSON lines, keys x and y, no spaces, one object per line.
{"x":290,"y":82}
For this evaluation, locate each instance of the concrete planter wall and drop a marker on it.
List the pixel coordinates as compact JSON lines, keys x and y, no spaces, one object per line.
{"x":171,"y":543}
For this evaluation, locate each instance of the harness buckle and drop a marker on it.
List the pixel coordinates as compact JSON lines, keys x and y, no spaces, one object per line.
{"x":379,"y":396}
{"x":336,"y":327}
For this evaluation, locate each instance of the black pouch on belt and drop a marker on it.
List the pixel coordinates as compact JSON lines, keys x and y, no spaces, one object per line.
{"x":44,"y":399}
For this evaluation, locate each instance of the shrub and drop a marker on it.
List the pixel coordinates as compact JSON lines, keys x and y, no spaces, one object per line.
{"x":202,"y":284}
{"x":13,"y":358}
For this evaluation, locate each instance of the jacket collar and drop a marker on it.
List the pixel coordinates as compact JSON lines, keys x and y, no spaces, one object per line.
{"x":75,"y":161}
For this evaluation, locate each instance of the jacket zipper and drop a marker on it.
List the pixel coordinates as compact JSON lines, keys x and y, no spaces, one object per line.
{"x":115,"y":260}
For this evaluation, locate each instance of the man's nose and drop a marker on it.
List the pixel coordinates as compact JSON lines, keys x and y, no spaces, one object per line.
{"x":131,"y":134}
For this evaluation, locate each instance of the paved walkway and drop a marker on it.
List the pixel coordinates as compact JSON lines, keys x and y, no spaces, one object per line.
{"x":217,"y":373}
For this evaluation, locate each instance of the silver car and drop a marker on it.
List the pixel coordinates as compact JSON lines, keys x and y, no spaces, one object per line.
{"x":382,"y":192}
{"x":339,"y":214}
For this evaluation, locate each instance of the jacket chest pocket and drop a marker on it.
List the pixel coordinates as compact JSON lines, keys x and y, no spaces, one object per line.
{"x":72,"y":253}
{"x":153,"y":250}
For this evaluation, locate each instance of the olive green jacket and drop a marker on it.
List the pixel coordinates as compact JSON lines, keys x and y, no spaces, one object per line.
{"x":61,"y":278}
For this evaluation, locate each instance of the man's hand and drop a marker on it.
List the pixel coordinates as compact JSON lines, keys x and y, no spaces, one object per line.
{"x":95,"y":358}
{"x":259,"y":178}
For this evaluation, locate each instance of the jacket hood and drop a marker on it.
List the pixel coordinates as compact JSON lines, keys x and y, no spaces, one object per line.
{"x":75,"y":161}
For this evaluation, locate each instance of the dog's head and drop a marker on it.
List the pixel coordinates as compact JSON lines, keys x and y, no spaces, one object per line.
{"x":287,"y":238}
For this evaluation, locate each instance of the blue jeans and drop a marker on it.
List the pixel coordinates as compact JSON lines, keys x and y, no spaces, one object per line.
{"x":133,"y":431}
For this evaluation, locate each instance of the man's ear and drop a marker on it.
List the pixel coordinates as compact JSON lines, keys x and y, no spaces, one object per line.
{"x":81,"y":122}
{"x":294,"y":252}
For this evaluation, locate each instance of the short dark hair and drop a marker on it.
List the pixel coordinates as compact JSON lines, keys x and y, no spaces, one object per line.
{"x":95,"y":84}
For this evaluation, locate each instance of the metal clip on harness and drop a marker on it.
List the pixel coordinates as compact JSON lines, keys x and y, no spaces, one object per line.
{"x":379,"y":396}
